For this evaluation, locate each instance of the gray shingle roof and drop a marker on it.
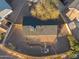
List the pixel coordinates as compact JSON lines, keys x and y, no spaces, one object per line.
{"x":5,"y":9}
{"x":4,"y":5}
{"x":74,"y":4}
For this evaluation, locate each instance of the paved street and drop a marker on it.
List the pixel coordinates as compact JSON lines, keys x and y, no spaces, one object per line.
{"x":18,"y":11}
{"x":5,"y":55}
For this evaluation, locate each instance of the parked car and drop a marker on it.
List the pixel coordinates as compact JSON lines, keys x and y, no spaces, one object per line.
{"x":34,"y":1}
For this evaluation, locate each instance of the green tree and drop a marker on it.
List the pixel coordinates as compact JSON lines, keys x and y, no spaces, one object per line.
{"x":74,"y":45}
{"x":45,"y":9}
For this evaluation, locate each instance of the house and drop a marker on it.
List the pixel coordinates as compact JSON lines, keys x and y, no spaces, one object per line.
{"x":5,"y":9}
{"x":39,"y":30}
{"x":73,"y":15}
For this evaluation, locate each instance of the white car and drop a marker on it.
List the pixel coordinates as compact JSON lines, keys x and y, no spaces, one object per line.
{"x":35,"y":1}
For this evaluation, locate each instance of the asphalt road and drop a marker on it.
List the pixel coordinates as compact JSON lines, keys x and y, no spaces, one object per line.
{"x":5,"y":55}
{"x":18,"y":10}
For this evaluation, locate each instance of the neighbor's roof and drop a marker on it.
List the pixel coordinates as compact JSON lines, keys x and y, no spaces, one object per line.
{"x":2,"y":30}
{"x":4,"y":5}
{"x":74,"y":4}
{"x":5,"y":9}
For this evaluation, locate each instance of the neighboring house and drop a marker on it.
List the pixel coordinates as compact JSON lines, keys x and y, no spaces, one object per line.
{"x":2,"y":30}
{"x":5,"y":9}
{"x":4,"y":27}
{"x":73,"y":13}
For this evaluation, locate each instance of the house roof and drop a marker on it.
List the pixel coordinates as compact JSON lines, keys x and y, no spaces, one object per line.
{"x":35,"y":26}
{"x":4,"y":5}
{"x":5,"y":9}
{"x":74,"y":4}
